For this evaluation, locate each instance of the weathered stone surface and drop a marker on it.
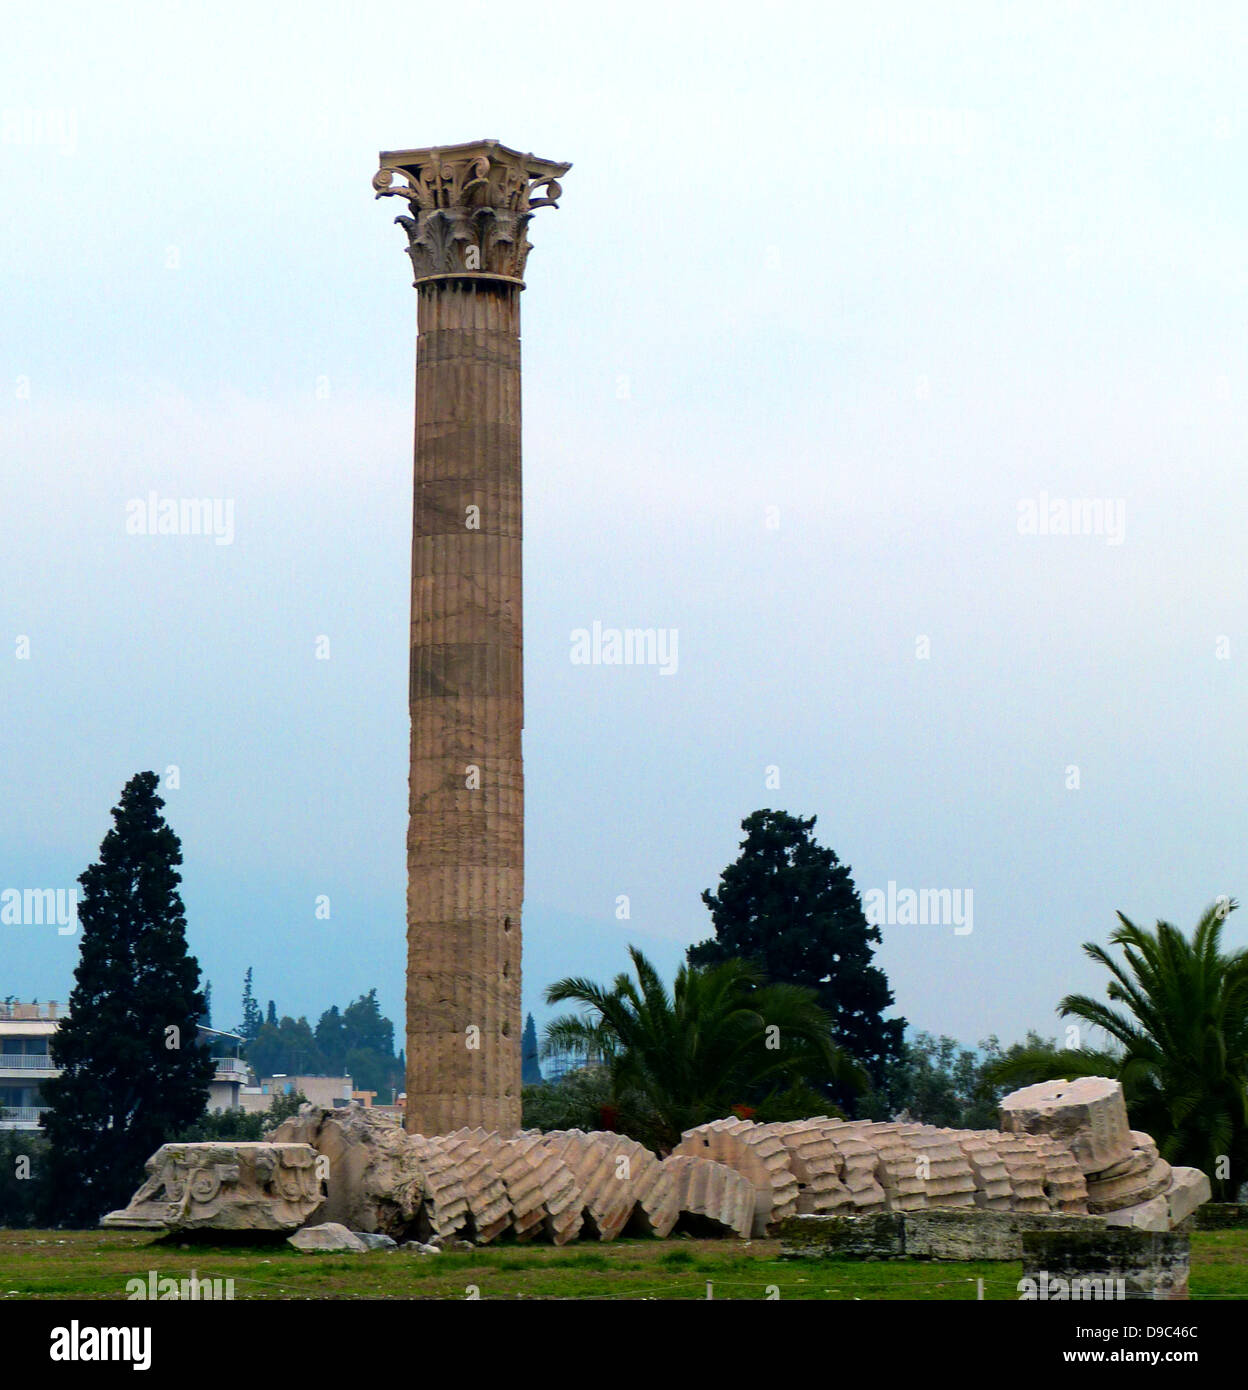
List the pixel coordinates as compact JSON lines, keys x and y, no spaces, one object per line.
{"x":1064,"y":1182}
{"x":858,"y":1171}
{"x":607,"y":1196}
{"x":556,"y":1194}
{"x":1220,"y":1216}
{"x":419,"y":1247}
{"x":484,"y":1190}
{"x":896,"y":1170}
{"x":816,"y":1164}
{"x":467,"y":241}
{"x":1149,"y":1264}
{"x":993,"y":1191}
{"x":712,"y":1192}
{"x":1087,"y":1115}
{"x":374,"y":1180}
{"x":1130,"y":1191}
{"x":758,"y":1155}
{"x":879,"y":1236}
{"x":1188,"y":1189}
{"x":444,"y":1210}
{"x":1153,"y":1215}
{"x":224,"y":1186}
{"x":374,"y":1240}
{"x":329,"y":1236}
{"x":521,"y":1181}
{"x":939,"y":1233}
{"x":982,"y":1235}
{"x":657,"y":1208}
{"x":1025,"y":1166}
{"x":1141,"y":1158}
{"x":947,"y":1177}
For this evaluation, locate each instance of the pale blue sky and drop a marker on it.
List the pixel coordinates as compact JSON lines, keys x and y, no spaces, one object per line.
{"x":891,"y":273}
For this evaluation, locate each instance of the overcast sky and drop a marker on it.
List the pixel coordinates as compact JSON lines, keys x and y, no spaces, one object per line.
{"x":837,"y":298}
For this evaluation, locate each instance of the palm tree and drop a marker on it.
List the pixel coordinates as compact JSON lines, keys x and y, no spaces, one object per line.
{"x":1179,"y":1047}
{"x":722,"y":1038}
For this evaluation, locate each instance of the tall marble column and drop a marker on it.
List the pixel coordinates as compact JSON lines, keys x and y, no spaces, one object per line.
{"x":470,"y":207}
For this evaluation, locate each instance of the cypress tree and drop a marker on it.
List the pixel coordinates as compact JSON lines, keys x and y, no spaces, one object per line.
{"x":132,"y":1070}
{"x":530,"y":1068}
{"x":252,"y":1017}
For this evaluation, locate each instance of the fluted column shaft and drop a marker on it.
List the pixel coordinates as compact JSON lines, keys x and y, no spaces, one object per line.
{"x":469,"y":207}
{"x":466,"y":829}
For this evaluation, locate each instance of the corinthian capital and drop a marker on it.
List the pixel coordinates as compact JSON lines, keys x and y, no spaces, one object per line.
{"x":470,"y":205}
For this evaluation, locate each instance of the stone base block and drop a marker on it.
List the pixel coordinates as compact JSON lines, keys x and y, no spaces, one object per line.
{"x":1132,"y":1264}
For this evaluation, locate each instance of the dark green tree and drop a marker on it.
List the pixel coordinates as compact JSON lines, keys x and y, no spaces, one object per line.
{"x":285,"y":1048}
{"x":252,"y":1017}
{"x":789,"y":905}
{"x":530,"y":1067}
{"x":132,"y":1070}
{"x":331,"y":1038}
{"x":271,"y":1015}
{"x":207,"y":1018}
{"x":366,"y":1027}
{"x":369,"y":1040}
{"x":24,"y":1196}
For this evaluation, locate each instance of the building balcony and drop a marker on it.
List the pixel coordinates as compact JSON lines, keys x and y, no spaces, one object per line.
{"x":22,"y":1116}
{"x":28,"y":1062}
{"x":229,"y":1069}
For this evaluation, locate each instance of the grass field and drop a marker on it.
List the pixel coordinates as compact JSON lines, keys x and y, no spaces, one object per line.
{"x":97,"y":1264}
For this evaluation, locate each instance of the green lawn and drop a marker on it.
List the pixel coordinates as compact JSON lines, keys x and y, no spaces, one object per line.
{"x":97,"y":1264}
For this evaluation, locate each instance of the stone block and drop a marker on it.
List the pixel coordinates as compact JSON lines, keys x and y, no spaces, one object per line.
{"x":1152,"y":1215}
{"x":330,"y":1236}
{"x":374,"y":1180}
{"x":1134,"y":1264}
{"x":879,"y":1236}
{"x":1087,"y":1114}
{"x":1220,"y":1216}
{"x":224,"y":1186}
{"x":981,"y":1235}
{"x":1189,"y":1188}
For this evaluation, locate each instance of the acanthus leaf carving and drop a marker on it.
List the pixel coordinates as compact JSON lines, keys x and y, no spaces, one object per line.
{"x":471,"y":207}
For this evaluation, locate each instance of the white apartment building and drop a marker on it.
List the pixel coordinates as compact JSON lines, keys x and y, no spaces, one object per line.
{"x":25,"y":1033}
{"x":25,"y":1030}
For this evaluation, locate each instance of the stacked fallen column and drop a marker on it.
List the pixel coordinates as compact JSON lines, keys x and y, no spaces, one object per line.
{"x":1064,"y":1149}
{"x":1127,"y":1182}
{"x":754,"y":1151}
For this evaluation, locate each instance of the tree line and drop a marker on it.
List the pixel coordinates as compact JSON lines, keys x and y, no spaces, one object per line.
{"x":356,"y":1041}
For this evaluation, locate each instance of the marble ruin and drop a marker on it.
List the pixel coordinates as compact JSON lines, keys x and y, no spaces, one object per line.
{"x":1064,"y":1160}
{"x":225,"y":1187}
{"x":470,"y":206}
